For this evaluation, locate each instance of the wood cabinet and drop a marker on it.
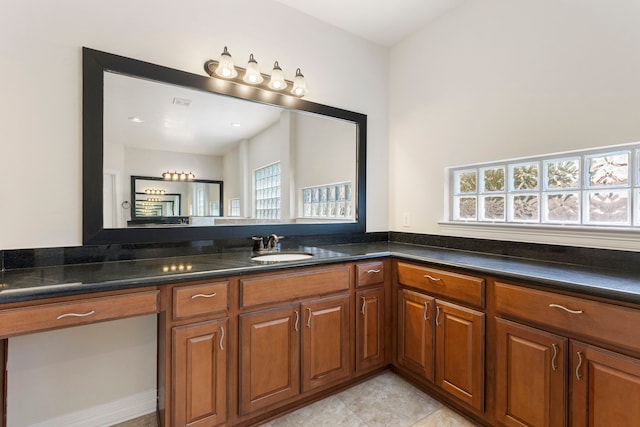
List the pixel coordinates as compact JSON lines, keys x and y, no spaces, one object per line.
{"x":531,"y":376}
{"x":200,"y":374}
{"x":548,"y":379}
{"x":440,"y":341}
{"x":275,"y":343}
{"x":370,"y":315}
{"x":370,"y":329}
{"x":193,"y":343}
{"x":415,"y":334}
{"x":605,"y":387}
{"x":269,"y":357}
{"x":459,"y":352}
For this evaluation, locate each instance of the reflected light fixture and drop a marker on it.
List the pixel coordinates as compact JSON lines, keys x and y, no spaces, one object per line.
{"x":224,"y":69}
{"x":178,"y":176}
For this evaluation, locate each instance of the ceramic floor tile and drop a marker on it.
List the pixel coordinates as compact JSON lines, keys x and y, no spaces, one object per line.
{"x":328,"y":412}
{"x":385,"y":400}
{"x":444,"y":417}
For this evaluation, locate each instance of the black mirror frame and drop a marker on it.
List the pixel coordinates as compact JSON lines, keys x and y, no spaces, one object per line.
{"x":95,"y":63}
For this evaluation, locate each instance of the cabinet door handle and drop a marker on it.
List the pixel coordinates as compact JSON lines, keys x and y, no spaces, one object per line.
{"x":437,"y":314}
{"x":374,"y":271}
{"x":554,"y":365}
{"x":62,"y":316}
{"x":295,"y":326}
{"x":565,"y":309}
{"x":221,"y":337}
{"x":309,"y":318}
{"x":425,"y":311}
{"x":364,"y":304}
{"x":204,"y":295}
{"x":433,"y":279}
{"x":578,"y":376}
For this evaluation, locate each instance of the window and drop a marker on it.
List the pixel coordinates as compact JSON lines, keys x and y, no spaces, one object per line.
{"x":599,"y":187}
{"x":267,"y":192}
{"x":234,"y":207}
{"x":327,"y":201}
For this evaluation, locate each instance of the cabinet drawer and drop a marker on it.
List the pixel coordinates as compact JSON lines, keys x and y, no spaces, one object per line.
{"x":194,"y":300}
{"x":460,"y":287}
{"x":601,"y":321}
{"x":284,"y":287}
{"x":369,"y":273}
{"x":81,"y":312}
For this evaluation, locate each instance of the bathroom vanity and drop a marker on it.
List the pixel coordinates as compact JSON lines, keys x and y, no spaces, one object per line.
{"x":504,"y":341}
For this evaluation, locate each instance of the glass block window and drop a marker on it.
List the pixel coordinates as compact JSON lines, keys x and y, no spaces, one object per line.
{"x":234,"y":207}
{"x":327,"y":201}
{"x":599,"y":187}
{"x":267,"y":192}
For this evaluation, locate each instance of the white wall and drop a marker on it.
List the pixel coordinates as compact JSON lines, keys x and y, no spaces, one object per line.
{"x":41,"y":112}
{"x":41,"y":80}
{"x":498,"y":79}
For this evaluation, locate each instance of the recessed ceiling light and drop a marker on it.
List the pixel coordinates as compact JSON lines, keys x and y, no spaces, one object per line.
{"x":235,"y":125}
{"x":135,"y":119}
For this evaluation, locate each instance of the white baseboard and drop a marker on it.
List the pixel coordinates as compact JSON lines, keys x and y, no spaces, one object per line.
{"x":107,"y":414}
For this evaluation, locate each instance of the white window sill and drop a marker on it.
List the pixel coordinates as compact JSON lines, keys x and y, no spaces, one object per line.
{"x":616,"y":238}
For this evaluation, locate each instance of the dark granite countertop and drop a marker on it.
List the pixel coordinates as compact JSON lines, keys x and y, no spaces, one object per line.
{"x":46,"y":282}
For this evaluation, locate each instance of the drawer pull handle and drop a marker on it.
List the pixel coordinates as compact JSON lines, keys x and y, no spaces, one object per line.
{"x":204,"y":295}
{"x":309,"y":318}
{"x":566,"y":309}
{"x":578,"y":376}
{"x":295,"y":327}
{"x":425,"y":311}
{"x":437,"y":314}
{"x":62,"y":316}
{"x":221,"y":337}
{"x":364,"y":304}
{"x":554,"y":365}
{"x":433,"y":279}
{"x":374,"y":271}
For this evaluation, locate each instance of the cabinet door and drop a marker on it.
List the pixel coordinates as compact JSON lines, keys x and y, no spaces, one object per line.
{"x":269,"y":357}
{"x":415,"y":333}
{"x":531,"y":382}
{"x":605,"y":387}
{"x":460,"y":352}
{"x":200,"y":374}
{"x":325,"y":338}
{"x":369,"y":329}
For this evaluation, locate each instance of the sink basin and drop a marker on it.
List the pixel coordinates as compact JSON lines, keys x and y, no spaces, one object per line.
{"x":282,"y":257}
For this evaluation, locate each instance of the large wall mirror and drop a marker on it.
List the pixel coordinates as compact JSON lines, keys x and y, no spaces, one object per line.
{"x":160,"y":145}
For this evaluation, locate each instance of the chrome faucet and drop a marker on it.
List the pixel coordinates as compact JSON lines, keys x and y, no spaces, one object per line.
{"x":266,"y":243}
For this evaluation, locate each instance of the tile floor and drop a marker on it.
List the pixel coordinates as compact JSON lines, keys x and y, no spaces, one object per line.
{"x":383,"y":401}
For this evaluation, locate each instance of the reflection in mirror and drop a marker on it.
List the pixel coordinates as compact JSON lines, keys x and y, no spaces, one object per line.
{"x":268,"y":157}
{"x":270,"y":150}
{"x":158,"y":201}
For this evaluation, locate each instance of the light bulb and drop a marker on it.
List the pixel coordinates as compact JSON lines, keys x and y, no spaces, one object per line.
{"x":252,"y":74}
{"x":225,"y":65}
{"x":277,"y":81}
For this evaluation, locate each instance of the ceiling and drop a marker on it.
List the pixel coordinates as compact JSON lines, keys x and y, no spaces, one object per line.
{"x":385,"y":22}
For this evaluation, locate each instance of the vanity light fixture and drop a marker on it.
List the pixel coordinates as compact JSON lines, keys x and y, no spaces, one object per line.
{"x":252,"y":73}
{"x":276,"y":82}
{"x":178,"y":176}
{"x":154,"y":191}
{"x":299,"y":86}
{"x":225,"y":68}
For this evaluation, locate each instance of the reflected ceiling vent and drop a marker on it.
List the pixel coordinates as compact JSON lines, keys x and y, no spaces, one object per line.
{"x":182,"y":102}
